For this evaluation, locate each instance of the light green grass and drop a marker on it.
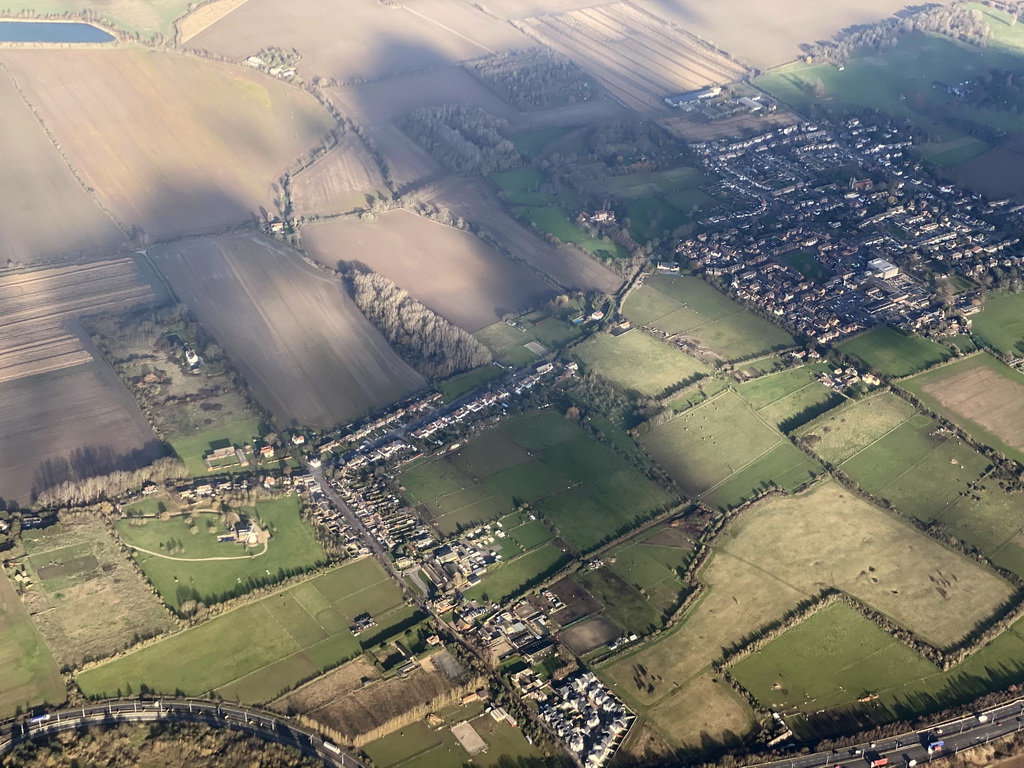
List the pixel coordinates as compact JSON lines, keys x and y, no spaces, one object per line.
{"x":635,"y":361}
{"x":523,"y":186}
{"x":844,"y":431}
{"x":508,"y":343}
{"x":622,"y":602}
{"x":652,"y":569}
{"x":28,"y":673}
{"x":553,"y":221}
{"x":293,"y":547}
{"x":892,"y":353}
{"x":192,"y":449}
{"x":461,"y":385}
{"x":1001,"y":323}
{"x":227,"y":653}
{"x":513,"y":576}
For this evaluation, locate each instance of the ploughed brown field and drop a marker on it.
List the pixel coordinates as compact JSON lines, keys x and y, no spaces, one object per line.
{"x":638,"y":56}
{"x":37,"y":325}
{"x":986,"y":398}
{"x":44,"y":210}
{"x":308,"y":354}
{"x":452,"y":272}
{"x":366,"y":40}
{"x":339,"y":181}
{"x":170,"y":143}
{"x":78,"y":421}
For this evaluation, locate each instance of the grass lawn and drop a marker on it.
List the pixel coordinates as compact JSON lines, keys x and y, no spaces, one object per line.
{"x":807,"y":265}
{"x":192,"y":449}
{"x":583,"y":488}
{"x":301,"y":632}
{"x":651,"y":564}
{"x":892,"y":353}
{"x":837,"y":656}
{"x":28,"y":675}
{"x":507,"y":342}
{"x":292,"y":548}
{"x":981,"y":395}
{"x":717,"y":441}
{"x":523,"y":187}
{"x":456,"y":387}
{"x":513,"y":576}
{"x":635,"y":361}
{"x":693,"y":308}
{"x":1001,"y":323}
{"x":553,"y":221}
{"x":781,"y":397}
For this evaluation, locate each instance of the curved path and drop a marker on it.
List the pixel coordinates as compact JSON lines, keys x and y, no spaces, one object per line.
{"x":198,"y":559}
{"x":258,"y":722}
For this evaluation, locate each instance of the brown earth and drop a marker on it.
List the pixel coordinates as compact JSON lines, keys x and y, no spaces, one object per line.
{"x":170,"y":143}
{"x":37,"y":326}
{"x":306,"y":351}
{"x":75,"y":421}
{"x":694,"y":127}
{"x":475,"y":201}
{"x":578,"y":602}
{"x":338,"y":182}
{"x":44,"y":210}
{"x":452,"y":272}
{"x":986,"y":398}
{"x":589,"y":635}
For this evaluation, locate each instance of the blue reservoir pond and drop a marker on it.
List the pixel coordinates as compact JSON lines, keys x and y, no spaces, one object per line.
{"x":52,"y":32}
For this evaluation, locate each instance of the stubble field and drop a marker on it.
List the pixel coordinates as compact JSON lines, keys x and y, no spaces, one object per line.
{"x":88,"y":601}
{"x":44,"y":210}
{"x":452,"y":272}
{"x":307,"y":353}
{"x":832,"y":539}
{"x":636,"y":55}
{"x":37,"y":328}
{"x":339,"y":181}
{"x":170,"y":143}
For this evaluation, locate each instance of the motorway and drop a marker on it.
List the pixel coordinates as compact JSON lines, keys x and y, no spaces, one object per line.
{"x":958,"y":734}
{"x":267,"y":725}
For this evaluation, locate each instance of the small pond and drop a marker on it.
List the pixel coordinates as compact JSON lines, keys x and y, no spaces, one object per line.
{"x":52,"y":32}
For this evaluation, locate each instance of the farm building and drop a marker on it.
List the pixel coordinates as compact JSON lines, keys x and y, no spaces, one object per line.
{"x":680,"y":100}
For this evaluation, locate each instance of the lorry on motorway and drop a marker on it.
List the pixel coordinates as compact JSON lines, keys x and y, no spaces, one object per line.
{"x":38,"y":719}
{"x":875,"y":760}
{"x":330,"y":747}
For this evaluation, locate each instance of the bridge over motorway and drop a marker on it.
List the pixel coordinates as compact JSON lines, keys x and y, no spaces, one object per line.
{"x":258,"y":722}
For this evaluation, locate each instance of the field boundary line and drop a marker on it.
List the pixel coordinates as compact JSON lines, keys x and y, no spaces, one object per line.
{"x":918,"y":463}
{"x":266,"y":546}
{"x":736,"y":471}
{"x":880,"y":437}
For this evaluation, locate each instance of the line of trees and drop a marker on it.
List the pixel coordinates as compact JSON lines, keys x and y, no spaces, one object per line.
{"x":72,"y":493}
{"x":535,"y":78}
{"x":427,"y":341}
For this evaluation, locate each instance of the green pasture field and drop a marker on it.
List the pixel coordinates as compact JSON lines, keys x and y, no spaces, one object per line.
{"x":853,"y":426}
{"x":300,"y":632}
{"x":779,"y":552}
{"x":650,"y":563}
{"x":652,"y":217}
{"x":634,"y":361}
{"x":779,"y":397}
{"x":807,"y":265}
{"x":580,"y":486}
{"x":507,"y":343}
{"x":522,"y":186}
{"x":535,"y":142}
{"x":950,"y":154}
{"x":898,"y":80}
{"x":622,"y":602}
{"x":618,"y":437}
{"x":146,"y":17}
{"x":28,"y":675}
{"x":837,"y":656}
{"x":456,"y":387}
{"x":1000,"y":323}
{"x":892,"y":353}
{"x":986,"y":393}
{"x":292,"y":548}
{"x":991,"y":520}
{"x":192,"y":449}
{"x":512,"y":576}
{"x":553,"y":220}
{"x":635,"y":186}
{"x":964,"y":344}
{"x":689,"y":306}
{"x":721,"y":440}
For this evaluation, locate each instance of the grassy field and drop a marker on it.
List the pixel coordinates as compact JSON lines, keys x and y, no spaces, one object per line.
{"x":29,"y":675}
{"x":723,"y":440}
{"x":650,"y":563}
{"x":845,"y":431}
{"x":553,"y":221}
{"x":789,"y":673}
{"x":581,"y":487}
{"x":508,"y":342}
{"x":292,"y":548}
{"x":991,"y":520}
{"x":457,"y":386}
{"x":146,"y":17}
{"x":1001,"y":323}
{"x":784,"y":397}
{"x":635,"y":186}
{"x":88,"y":601}
{"x":192,"y":449}
{"x":755,"y":575}
{"x":622,"y":602}
{"x":892,"y":353}
{"x":635,"y":361}
{"x":528,"y":186}
{"x":534,"y":142}
{"x":691,"y":307}
{"x":511,"y":576}
{"x":807,"y":265}
{"x":301,"y":631}
{"x":981,"y":395}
